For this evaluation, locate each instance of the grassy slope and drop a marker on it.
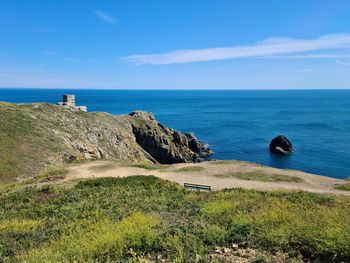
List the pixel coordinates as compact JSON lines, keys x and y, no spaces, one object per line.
{"x":32,"y":137}
{"x":111,"y":219}
{"x":25,"y":146}
{"x":39,"y":135}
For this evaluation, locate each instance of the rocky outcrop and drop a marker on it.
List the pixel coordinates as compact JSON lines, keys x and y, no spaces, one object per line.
{"x":40,"y":135}
{"x":166,"y":145}
{"x":281,"y":145}
{"x":196,"y":146}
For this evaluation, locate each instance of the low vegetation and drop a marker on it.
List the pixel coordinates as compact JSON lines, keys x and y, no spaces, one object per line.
{"x":103,"y":167}
{"x":25,"y":144}
{"x":49,"y":175}
{"x":143,"y":217}
{"x":223,"y":162}
{"x":145,"y":165}
{"x":190,"y":169}
{"x":344,"y":187}
{"x":259,"y":176}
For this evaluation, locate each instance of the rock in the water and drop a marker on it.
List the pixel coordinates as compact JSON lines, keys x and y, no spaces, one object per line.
{"x":281,"y":145}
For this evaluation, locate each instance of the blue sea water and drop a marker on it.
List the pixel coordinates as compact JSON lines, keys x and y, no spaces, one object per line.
{"x":237,"y":124}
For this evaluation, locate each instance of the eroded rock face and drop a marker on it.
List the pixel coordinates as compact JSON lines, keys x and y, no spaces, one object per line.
{"x":166,"y":145}
{"x":47,"y":135}
{"x":198,"y":147}
{"x":281,"y":145}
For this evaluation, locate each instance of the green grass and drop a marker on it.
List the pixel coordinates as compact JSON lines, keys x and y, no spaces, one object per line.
{"x":103,"y":167}
{"x":223,"y":162}
{"x":123,"y":219}
{"x":344,"y":187}
{"x":191,"y":169}
{"x":49,"y":175}
{"x":259,"y":176}
{"x":26,"y":142}
{"x":145,"y":165}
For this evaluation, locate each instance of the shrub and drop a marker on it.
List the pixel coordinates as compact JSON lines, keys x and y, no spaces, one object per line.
{"x":101,"y":220}
{"x":99,"y":241}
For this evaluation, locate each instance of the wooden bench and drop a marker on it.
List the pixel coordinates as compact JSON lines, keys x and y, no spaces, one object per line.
{"x":197,"y":186}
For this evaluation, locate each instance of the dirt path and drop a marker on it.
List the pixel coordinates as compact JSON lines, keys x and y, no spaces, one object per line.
{"x":209,"y":175}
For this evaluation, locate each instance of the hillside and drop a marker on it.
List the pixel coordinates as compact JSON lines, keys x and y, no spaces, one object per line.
{"x":147,"y":219}
{"x":36,"y":136}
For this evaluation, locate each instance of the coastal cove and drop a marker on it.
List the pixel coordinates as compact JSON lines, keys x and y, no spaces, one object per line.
{"x":237,"y":124}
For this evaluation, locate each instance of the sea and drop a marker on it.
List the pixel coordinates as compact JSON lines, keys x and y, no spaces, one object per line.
{"x":237,"y":124}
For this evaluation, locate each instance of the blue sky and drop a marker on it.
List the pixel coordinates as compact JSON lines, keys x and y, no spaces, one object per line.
{"x":182,"y":44}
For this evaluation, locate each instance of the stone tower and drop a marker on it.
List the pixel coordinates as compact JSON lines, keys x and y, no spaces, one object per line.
{"x":68,"y":100}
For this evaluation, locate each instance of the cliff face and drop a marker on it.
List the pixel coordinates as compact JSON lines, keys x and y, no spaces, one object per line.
{"x":35,"y":136}
{"x":163,"y":144}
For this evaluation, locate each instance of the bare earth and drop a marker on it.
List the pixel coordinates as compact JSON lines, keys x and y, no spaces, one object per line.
{"x":311,"y":182}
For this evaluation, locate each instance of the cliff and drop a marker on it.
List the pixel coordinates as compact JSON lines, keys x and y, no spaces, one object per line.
{"x":36,"y":136}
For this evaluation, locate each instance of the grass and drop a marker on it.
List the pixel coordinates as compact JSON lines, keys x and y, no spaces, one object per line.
{"x":126,"y":219}
{"x":344,"y":187}
{"x":49,"y":175}
{"x":191,"y":169}
{"x":26,"y":141}
{"x":259,"y":176}
{"x":223,"y":162}
{"x":103,"y":167}
{"x":145,"y":165}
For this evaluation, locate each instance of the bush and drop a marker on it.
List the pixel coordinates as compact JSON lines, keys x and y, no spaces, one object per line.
{"x":102,"y":219}
{"x":99,"y":241}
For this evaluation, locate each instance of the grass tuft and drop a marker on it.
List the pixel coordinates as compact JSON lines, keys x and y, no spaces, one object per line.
{"x":223,"y":162}
{"x":145,"y":165}
{"x":191,"y":169}
{"x":259,"y":176}
{"x":102,"y":167}
{"x":344,"y":187}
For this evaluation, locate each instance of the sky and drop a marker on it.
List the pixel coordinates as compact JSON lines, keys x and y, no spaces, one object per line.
{"x":182,"y":44}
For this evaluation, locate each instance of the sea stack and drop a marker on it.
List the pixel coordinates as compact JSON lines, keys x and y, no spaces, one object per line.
{"x":281,"y":145}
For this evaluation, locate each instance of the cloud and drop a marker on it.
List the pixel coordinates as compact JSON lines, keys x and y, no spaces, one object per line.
{"x":72,"y":60}
{"x":105,"y":17}
{"x":49,"y":53}
{"x":342,"y":63}
{"x":311,"y":56}
{"x":266,"y":48}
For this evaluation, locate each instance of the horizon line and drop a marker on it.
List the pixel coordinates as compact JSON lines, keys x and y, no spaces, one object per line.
{"x":171,"y":89}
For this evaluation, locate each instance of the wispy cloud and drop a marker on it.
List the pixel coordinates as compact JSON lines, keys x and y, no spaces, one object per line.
{"x":106,"y":17}
{"x":51,"y":53}
{"x":342,"y":63}
{"x":72,"y":60}
{"x":264,"y":49}
{"x":311,"y":56}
